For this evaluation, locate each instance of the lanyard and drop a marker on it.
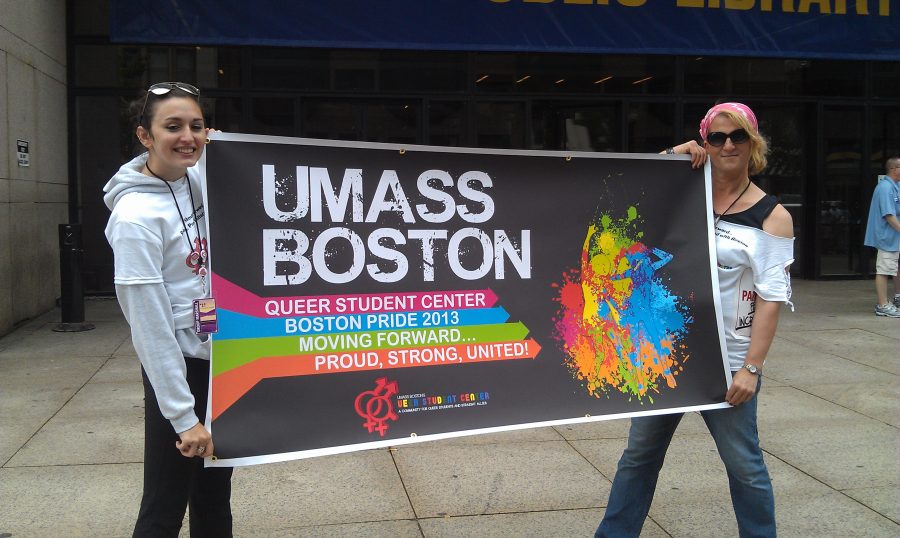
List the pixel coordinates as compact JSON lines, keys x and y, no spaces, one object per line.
{"x":198,"y":254}
{"x":718,"y":217}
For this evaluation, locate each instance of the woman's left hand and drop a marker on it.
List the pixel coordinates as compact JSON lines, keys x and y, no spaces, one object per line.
{"x":195,"y":442}
{"x":743,"y":387}
{"x":695,"y":150}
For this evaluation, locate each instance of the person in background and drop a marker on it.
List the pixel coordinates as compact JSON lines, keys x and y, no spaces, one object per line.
{"x":883,"y":234}
{"x":157,"y":231}
{"x":754,"y":249}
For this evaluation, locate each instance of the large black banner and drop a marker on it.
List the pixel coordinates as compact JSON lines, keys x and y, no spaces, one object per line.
{"x":373,"y":294}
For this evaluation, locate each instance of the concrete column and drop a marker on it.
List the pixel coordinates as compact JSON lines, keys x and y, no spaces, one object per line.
{"x":33,"y":199}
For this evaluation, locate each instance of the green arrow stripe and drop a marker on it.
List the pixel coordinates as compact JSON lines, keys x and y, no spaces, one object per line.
{"x":230,"y":354}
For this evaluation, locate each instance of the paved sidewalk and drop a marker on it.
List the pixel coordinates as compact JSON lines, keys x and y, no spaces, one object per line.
{"x":71,"y":429}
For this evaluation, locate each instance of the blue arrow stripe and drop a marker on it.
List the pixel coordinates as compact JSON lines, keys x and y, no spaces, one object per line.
{"x":233,"y":325}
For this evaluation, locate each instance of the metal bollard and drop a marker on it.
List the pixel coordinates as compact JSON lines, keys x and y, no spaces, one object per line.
{"x":71,"y":285}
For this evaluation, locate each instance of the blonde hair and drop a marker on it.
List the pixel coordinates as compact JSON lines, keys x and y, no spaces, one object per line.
{"x":759,"y":146}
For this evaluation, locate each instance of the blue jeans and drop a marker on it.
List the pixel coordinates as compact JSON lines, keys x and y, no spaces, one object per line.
{"x":734,"y":431}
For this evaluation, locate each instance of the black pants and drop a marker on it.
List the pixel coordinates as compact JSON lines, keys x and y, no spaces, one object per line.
{"x":171,"y":481}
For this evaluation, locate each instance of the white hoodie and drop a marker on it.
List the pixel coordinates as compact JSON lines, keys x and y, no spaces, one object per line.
{"x":155,"y":283}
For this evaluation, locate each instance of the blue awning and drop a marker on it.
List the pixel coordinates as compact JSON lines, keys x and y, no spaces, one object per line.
{"x":836,"y":29}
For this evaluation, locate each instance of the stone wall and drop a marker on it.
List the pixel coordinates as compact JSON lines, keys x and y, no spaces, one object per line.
{"x":33,"y":199}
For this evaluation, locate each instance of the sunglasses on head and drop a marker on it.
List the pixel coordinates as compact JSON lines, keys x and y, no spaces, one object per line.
{"x":718,"y":138}
{"x":161,"y":88}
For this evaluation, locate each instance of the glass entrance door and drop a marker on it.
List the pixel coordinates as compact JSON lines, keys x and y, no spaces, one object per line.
{"x":841,"y":214}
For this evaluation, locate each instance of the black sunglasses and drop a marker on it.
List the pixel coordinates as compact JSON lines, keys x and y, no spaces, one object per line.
{"x":161,"y":88}
{"x":717,"y":139}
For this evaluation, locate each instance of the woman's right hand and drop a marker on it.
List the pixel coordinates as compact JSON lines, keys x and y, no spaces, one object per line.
{"x":695,"y":150}
{"x":195,"y":442}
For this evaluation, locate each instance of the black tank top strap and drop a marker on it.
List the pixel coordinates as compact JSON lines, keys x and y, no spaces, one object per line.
{"x":755,"y":215}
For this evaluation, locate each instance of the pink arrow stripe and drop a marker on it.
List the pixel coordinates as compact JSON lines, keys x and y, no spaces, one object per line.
{"x":232,"y":297}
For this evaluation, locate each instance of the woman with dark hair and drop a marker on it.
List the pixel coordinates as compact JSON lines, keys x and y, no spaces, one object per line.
{"x":157,"y":230}
{"x":754,"y":249}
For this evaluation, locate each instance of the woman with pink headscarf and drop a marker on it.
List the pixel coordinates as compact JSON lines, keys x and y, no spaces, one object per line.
{"x":754,"y":249}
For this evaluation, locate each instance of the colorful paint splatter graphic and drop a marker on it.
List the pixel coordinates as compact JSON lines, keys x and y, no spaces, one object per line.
{"x":619,"y":326}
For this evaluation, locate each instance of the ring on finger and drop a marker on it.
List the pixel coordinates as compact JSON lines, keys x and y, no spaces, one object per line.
{"x":201,"y":449}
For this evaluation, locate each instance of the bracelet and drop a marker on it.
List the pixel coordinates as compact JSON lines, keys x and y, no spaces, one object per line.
{"x":670,"y":151}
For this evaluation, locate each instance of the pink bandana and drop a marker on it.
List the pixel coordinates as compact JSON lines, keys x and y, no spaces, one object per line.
{"x":740,"y":108}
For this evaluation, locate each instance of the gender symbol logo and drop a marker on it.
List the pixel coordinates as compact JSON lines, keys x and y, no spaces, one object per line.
{"x":376,"y":407}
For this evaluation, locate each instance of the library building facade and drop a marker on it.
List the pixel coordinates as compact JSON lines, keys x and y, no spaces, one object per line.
{"x":608,"y":76}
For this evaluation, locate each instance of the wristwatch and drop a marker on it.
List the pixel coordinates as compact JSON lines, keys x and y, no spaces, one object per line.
{"x":752,"y":368}
{"x":670,"y":151}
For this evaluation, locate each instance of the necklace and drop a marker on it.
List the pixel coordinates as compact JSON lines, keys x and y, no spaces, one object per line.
{"x":719,"y":216}
{"x":198,"y":254}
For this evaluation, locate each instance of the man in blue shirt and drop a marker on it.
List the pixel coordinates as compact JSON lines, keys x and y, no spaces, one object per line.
{"x":883,"y":233}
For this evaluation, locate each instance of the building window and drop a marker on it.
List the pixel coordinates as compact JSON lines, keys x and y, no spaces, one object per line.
{"x":447,"y":123}
{"x":573,"y":74}
{"x":576,"y":126}
{"x":298,"y":70}
{"x":414,"y":71}
{"x":273,"y":116}
{"x":651,"y":126}
{"x":393,"y":121}
{"x":886,"y":79}
{"x":332,"y":119}
{"x":500,"y":124}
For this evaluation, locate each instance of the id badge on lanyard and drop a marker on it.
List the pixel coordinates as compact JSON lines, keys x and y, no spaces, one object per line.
{"x":206,"y":320}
